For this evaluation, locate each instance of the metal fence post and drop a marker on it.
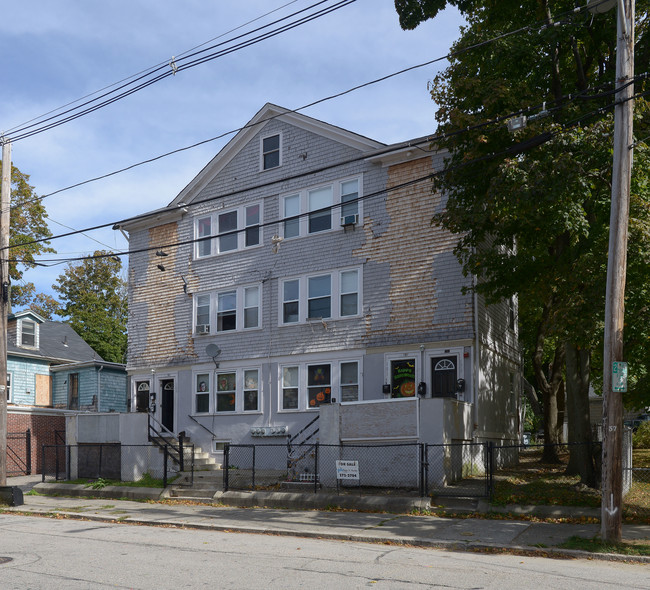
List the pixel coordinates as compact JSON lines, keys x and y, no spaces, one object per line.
{"x":56,"y":464}
{"x":165,"y":467}
{"x":226,"y":460}
{"x":490,"y":462}
{"x":43,"y":463}
{"x":181,"y":457}
{"x":28,"y":451}
{"x":253,"y":471}
{"x":101,"y":450}
{"x":68,"y":450}
{"x":424,"y":469}
{"x":316,"y":469}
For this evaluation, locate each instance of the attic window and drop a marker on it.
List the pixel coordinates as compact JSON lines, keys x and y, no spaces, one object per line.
{"x":270,"y":152}
{"x":27,"y":333}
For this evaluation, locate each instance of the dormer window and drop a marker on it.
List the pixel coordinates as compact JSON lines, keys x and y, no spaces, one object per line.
{"x":28,"y":333}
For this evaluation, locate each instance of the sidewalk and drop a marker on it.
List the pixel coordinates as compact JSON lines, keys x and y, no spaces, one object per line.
{"x":472,"y":534}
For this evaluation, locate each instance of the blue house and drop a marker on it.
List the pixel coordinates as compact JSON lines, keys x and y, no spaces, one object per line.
{"x":50,"y":366}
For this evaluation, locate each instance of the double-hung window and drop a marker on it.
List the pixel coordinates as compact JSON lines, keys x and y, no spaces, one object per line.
{"x":238,"y":391}
{"x":309,"y":385}
{"x":202,"y":394}
{"x":350,"y":201}
{"x":228,"y":231}
{"x":321,"y":208}
{"x":271,"y":152}
{"x":227,"y":311}
{"x":333,"y":295}
{"x":319,"y":302}
{"x":28,"y":333}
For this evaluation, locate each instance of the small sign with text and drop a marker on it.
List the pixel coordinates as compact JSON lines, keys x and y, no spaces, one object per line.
{"x":347,"y":470}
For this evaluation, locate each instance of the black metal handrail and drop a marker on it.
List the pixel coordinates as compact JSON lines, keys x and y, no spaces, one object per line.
{"x":202,"y":426}
{"x":165,"y":444}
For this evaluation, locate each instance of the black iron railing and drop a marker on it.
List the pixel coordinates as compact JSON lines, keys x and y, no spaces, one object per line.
{"x":19,"y":460}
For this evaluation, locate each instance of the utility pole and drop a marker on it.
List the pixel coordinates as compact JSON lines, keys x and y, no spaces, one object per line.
{"x":612,"y":471}
{"x":5,"y":200}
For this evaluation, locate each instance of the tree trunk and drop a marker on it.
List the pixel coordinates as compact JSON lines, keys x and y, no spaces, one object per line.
{"x":581,"y":461}
{"x":550,"y":387}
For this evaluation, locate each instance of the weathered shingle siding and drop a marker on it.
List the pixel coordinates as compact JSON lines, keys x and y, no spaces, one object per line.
{"x":411,"y":288}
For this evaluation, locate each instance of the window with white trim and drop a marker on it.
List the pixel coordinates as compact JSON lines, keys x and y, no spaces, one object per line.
{"x":238,"y":391}
{"x":270,"y":156}
{"x":227,"y":311}
{"x":202,"y":393}
{"x":321,"y":208}
{"x":28,"y":333}
{"x":308,"y":385}
{"x":349,"y":371}
{"x":333,"y":295}
{"x":8,"y":387}
{"x":228,"y":231}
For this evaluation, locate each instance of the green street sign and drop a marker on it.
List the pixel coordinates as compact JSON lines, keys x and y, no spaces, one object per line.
{"x":619,"y":376}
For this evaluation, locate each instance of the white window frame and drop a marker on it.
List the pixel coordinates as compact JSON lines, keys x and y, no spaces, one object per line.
{"x":19,"y":337}
{"x":335,"y":296}
{"x":262,"y":153}
{"x":240,"y":293}
{"x":239,"y":391}
{"x":9,"y":387}
{"x":241,"y":231}
{"x":336,"y":208}
{"x":197,"y":392}
{"x":303,"y":384}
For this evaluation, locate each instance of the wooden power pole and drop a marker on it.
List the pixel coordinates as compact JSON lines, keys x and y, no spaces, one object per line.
{"x":612,"y":479}
{"x":5,"y":200}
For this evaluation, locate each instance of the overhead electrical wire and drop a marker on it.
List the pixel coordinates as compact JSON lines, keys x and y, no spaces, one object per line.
{"x":172,"y":71}
{"x":39,"y":117}
{"x":524,"y":146}
{"x":304,"y":107}
{"x":164,"y":71}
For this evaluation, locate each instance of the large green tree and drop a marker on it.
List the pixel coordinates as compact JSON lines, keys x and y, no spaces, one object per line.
{"x":544,"y":189}
{"x":93,"y":299}
{"x":28,"y":220}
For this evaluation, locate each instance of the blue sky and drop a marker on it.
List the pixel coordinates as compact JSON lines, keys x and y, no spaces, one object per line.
{"x":57,"y":52}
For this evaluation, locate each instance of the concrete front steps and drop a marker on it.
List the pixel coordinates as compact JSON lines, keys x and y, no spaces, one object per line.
{"x":201,"y":489}
{"x":207,"y":480}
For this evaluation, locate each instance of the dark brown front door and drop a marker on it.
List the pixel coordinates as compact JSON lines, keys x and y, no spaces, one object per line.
{"x":167,"y":404}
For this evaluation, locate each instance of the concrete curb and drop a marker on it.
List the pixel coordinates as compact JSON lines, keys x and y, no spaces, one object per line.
{"x":108,"y":492}
{"x":466,"y":547}
{"x":304,"y":501}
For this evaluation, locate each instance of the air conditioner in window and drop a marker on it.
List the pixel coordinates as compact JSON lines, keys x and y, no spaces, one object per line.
{"x":203,"y":329}
{"x":350,"y":220}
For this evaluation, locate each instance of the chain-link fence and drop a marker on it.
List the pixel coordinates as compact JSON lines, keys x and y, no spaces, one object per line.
{"x":458,"y":470}
{"x":350,"y":467}
{"x":127,"y":463}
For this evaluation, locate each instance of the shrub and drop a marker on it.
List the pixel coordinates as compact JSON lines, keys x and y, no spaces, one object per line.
{"x":641,"y":438}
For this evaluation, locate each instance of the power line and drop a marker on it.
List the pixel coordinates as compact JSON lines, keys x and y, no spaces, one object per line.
{"x":304,"y":107}
{"x":517,"y":148}
{"x":150,"y":69}
{"x":164,"y":71}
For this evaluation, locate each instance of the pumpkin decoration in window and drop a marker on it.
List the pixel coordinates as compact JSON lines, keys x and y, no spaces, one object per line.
{"x":320,"y":396}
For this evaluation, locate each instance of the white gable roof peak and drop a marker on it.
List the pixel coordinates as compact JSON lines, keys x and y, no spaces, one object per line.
{"x":268,"y":113}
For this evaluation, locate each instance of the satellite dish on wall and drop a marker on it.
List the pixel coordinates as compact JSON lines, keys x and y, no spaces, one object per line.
{"x":212,"y":350}
{"x":600,"y":6}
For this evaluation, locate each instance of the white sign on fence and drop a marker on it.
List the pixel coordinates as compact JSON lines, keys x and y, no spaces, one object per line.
{"x":347,"y":470}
